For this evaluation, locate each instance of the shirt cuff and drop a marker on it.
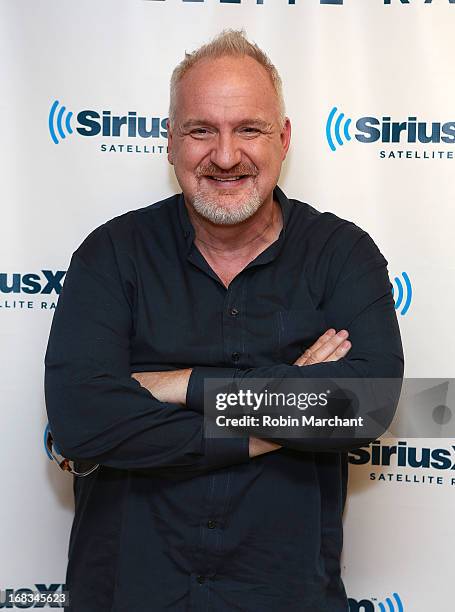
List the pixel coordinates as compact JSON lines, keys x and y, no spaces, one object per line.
{"x":195,"y":391}
{"x":223,"y":452}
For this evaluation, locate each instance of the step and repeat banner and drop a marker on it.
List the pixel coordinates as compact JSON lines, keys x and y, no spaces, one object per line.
{"x":370,"y":89}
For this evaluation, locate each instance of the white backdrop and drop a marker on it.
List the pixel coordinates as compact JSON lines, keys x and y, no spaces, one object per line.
{"x":377,"y":59}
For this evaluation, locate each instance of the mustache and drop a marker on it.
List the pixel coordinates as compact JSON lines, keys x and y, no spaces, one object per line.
{"x":241,"y":169}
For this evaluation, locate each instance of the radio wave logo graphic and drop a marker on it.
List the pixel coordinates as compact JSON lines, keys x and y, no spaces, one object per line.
{"x":393,"y":606}
{"x":404,"y":293}
{"x":46,"y":431}
{"x":337,"y":129}
{"x":58,"y":122}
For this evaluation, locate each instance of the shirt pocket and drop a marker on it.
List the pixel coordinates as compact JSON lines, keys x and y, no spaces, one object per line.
{"x":298,"y":329}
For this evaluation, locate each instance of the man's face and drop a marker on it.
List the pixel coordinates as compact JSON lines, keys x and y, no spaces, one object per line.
{"x":227,"y":143}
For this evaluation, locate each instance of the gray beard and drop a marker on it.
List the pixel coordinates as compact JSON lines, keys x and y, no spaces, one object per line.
{"x":220,"y":215}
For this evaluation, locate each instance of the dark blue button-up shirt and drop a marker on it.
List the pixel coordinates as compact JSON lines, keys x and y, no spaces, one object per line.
{"x":172,"y":520}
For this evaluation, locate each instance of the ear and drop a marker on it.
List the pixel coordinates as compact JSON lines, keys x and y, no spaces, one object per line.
{"x":169,"y":142}
{"x":285,"y":136}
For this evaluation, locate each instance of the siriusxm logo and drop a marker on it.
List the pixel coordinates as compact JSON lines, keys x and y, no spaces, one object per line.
{"x":339,"y":130}
{"x":413,"y":1}
{"x":291,"y":2}
{"x":44,"y":283}
{"x":339,"y":2}
{"x":402,"y":293}
{"x":53,"y":596}
{"x":54,"y":443}
{"x":402,"y":455}
{"x":394,"y":604}
{"x":90,"y":122}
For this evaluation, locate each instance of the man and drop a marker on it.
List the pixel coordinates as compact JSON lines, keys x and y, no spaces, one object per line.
{"x":229,"y":279}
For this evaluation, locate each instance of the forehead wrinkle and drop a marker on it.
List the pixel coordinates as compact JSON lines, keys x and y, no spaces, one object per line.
{"x":203,"y":111}
{"x":225,"y":101}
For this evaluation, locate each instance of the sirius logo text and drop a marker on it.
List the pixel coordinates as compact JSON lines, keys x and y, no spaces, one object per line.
{"x":289,"y":2}
{"x":45,"y":283}
{"x":402,"y":455}
{"x":104,"y":123}
{"x":370,"y":129}
{"x":294,"y":2}
{"x":53,"y":596}
{"x":394,"y":604}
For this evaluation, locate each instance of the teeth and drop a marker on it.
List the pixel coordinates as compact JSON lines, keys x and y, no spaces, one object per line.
{"x":232,"y":178}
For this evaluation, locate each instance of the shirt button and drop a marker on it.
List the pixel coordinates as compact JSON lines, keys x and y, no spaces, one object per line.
{"x":234,"y":312}
{"x":235,"y":356}
{"x":200,"y":579}
{"x":211,"y":524}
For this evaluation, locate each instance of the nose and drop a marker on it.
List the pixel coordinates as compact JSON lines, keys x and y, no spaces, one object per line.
{"x":226,"y":153}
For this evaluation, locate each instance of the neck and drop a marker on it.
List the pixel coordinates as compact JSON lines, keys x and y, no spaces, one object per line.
{"x":243,"y":239}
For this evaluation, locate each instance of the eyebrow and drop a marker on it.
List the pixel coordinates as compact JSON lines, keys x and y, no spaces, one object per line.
{"x":259,"y":123}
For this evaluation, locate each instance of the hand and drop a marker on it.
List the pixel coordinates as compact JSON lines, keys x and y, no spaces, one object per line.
{"x":330,"y":346}
{"x":168,"y":386}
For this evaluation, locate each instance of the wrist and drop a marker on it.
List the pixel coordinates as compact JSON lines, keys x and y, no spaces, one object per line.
{"x":183,"y":385}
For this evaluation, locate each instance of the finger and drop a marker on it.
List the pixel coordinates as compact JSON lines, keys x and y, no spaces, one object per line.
{"x":340,"y":352}
{"x":323,"y":352}
{"x":330,"y":333}
{"x":314,"y":347}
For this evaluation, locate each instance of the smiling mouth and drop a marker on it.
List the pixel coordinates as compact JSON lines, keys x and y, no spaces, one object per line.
{"x":227,"y":179}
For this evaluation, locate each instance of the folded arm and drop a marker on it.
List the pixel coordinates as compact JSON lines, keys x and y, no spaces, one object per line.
{"x":97,"y":412}
{"x":357,"y":298}
{"x":172,"y":386}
